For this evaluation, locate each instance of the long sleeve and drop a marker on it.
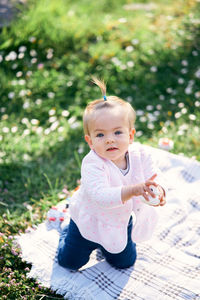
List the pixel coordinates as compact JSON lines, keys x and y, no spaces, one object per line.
{"x":95,"y":180}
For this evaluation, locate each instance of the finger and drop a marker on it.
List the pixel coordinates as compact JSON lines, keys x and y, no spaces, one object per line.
{"x":145,"y":196}
{"x":149,"y":182}
{"x":150,"y":192}
{"x":152,"y":177}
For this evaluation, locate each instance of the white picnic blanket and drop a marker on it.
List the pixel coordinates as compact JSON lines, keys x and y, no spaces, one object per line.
{"x":168,"y":265}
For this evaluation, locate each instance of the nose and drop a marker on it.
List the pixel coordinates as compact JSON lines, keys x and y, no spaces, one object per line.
{"x":109,"y":139}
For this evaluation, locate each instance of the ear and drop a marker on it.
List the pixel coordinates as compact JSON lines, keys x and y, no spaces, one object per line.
{"x":89,"y":141}
{"x":131,"y":135}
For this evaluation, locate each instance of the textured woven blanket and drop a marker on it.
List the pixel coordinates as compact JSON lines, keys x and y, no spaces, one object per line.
{"x":168,"y":265}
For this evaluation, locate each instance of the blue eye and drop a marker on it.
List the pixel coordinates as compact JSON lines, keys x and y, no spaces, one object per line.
{"x":100,"y":135}
{"x":118,"y":132}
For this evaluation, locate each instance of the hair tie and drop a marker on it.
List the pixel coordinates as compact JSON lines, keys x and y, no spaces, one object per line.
{"x":104,"y":97}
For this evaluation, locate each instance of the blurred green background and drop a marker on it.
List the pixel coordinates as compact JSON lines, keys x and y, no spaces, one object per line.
{"x":148,"y":54}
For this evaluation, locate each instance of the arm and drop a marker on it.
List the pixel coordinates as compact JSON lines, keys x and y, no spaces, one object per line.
{"x":95,"y":180}
{"x":141,"y":189}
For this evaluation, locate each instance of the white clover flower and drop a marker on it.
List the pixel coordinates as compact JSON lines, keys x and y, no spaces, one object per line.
{"x":38,"y":101}
{"x":129,"y":99}
{"x":129,"y":48}
{"x":14,"y":66}
{"x":143,"y":119}
{"x":39,"y":130}
{"x":180,"y":132}
{"x":184,"y":71}
{"x":162,"y":97}
{"x":130,"y":64}
{"x":156,"y":113}
{"x":22,"y":82}
{"x":29,"y":73}
{"x":164,"y":129}
{"x":188,"y":90}
{"x":139,"y":133}
{"x":52,"y":119}
{"x":11,"y":95}
{"x":181,"y":104}
{"x":135,"y":42}
{"x":72,"y":120}
{"x":60,"y":138}
{"x":26,"y":157}
{"x":47,"y":131}
{"x":194,"y":53}
{"x":61,"y":129}
{"x":25,"y":121}
{"x":197,"y":73}
{"x":116,"y":61}
{"x":181,"y":80}
{"x":123,"y":67}
{"x":65,"y":113}
{"x":14,"y":129}
{"x":150,"y":126}
{"x":26,"y":105}
{"x":54,"y":125}
{"x":32,"y":39}
{"x":184,"y":110}
{"x":1,"y":58}
{"x":192,"y":117}
{"x":1,"y":138}
{"x":52,"y":112}
{"x":21,"y":55}
{"x":33,"y":60}
{"x":172,"y":101}
{"x":151,"y":117}
{"x":75,"y":125}
{"x":184,"y":127}
{"x":35,"y":122}
{"x":177,"y":115}
{"x":80,"y":149}
{"x":49,"y":55}
{"x":5,"y":129}
{"x":149,"y":107}
{"x":5,"y":117}
{"x":33,"y":53}
{"x":19,"y":74}
{"x":69,"y":83}
{"x":51,"y":95}
{"x":184,"y":63}
{"x":26,"y":132}
{"x":11,"y":56}
{"x":139,"y":112}
{"x":3,"y":109}
{"x":122,"y":20}
{"x":159,"y":107}
{"x":153,"y":69}
{"x":197,"y":103}
{"x":169,"y":90}
{"x":22,"y":48}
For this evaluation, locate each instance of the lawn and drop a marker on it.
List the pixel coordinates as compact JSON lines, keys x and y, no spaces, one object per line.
{"x":147,"y":52}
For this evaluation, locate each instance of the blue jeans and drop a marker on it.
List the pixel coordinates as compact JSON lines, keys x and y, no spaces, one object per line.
{"x":74,"y":250}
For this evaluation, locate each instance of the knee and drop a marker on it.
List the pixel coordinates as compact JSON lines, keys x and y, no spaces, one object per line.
{"x":128,"y":262}
{"x":70,"y":263}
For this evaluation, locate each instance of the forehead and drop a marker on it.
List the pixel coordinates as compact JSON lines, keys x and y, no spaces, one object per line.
{"x":106,"y":118}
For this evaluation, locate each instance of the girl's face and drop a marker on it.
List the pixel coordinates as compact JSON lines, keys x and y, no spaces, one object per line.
{"x":110,"y":135}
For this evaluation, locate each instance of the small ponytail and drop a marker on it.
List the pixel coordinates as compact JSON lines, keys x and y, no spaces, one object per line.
{"x":101,"y":84}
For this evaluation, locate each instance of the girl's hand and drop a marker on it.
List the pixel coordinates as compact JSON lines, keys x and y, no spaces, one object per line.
{"x":142,"y":189}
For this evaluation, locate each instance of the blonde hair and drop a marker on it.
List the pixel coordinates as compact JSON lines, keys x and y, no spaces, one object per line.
{"x":110,"y":102}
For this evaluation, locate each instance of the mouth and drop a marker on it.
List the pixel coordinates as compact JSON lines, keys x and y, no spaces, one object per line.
{"x":112,"y":149}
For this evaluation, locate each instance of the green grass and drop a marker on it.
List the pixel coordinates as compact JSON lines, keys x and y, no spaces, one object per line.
{"x":47,"y":57}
